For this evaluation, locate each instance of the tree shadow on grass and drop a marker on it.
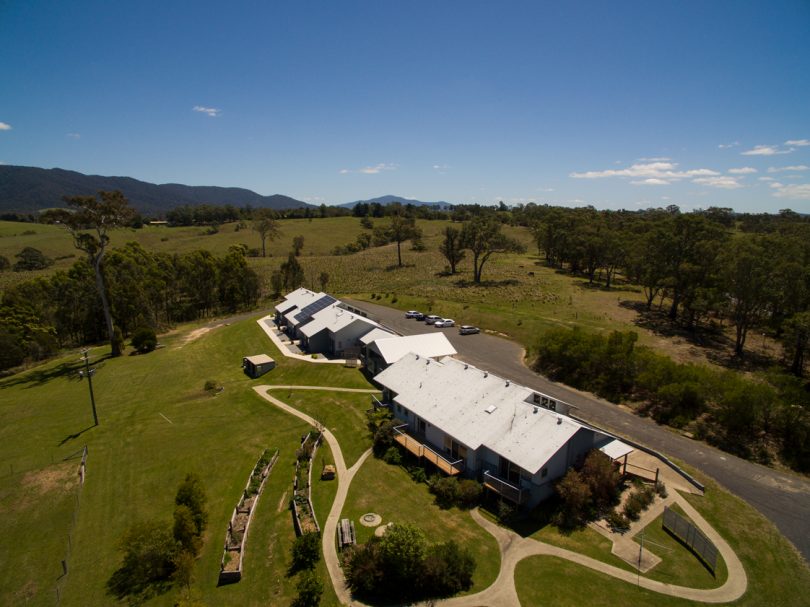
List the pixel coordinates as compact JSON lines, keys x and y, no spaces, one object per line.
{"x":123,"y":586}
{"x":394,"y":267}
{"x":40,"y":377}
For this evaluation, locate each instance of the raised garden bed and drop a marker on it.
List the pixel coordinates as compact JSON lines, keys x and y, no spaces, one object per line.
{"x":303,"y":513}
{"x":230,"y":569}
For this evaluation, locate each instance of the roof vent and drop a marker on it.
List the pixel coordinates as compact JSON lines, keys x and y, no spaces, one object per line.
{"x":559,"y":420}
{"x":466,"y":366}
{"x":535,"y":410}
{"x":507,"y":383}
{"x":486,"y":374}
{"x":490,"y":409}
{"x":417,"y":357}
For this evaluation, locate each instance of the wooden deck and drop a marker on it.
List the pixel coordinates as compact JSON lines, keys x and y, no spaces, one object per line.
{"x":423,"y":451}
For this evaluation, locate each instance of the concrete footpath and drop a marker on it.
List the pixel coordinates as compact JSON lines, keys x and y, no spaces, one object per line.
{"x":513,"y":548}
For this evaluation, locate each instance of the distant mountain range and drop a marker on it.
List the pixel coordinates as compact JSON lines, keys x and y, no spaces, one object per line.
{"x":389,"y":199}
{"x":29,"y":189}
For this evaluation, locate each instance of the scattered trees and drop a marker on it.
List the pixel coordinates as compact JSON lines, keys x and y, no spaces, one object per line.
{"x":298,"y":244}
{"x":402,"y":566}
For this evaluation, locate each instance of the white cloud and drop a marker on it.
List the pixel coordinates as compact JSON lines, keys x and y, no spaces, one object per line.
{"x":742,"y":171}
{"x":5,"y":126}
{"x":651,"y":181}
{"x":371,"y":170}
{"x":725,"y":182}
{"x":725,"y":146}
{"x":661,"y":171}
{"x":794,"y":191}
{"x":795,"y":167}
{"x":73,"y":136}
{"x":655,"y":159}
{"x":766,"y":179}
{"x":765,"y":150}
{"x":799,"y":143}
{"x":209,"y":111}
{"x":441,"y":169}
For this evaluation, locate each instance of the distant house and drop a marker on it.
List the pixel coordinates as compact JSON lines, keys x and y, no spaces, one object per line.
{"x":386,"y":349}
{"x":469,"y":422}
{"x":336,"y":331}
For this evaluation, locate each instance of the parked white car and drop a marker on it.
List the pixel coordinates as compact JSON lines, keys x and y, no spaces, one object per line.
{"x":468,"y":330}
{"x":413,"y":314}
{"x":445,"y":322}
{"x":429,"y":320}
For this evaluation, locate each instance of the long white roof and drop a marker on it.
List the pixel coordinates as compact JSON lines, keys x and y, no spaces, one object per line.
{"x":432,"y":345}
{"x":478,"y":408}
{"x":334,"y":318}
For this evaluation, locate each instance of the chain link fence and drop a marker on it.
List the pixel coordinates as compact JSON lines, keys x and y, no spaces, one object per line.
{"x":690,"y":535}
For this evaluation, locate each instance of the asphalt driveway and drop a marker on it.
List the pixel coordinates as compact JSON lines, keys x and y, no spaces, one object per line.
{"x":782,"y":497}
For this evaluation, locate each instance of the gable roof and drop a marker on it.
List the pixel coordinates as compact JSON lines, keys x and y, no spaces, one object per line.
{"x":431,"y":345}
{"x":333,"y":319}
{"x":375,"y":334}
{"x":295,"y":299}
{"x":479,"y":409}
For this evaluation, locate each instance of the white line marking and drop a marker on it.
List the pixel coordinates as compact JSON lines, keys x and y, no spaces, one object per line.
{"x":166,"y":418}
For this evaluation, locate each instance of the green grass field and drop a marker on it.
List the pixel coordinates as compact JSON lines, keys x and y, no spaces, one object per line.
{"x":156,"y":424}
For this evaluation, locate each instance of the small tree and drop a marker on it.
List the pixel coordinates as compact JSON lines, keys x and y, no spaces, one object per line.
{"x":144,"y":339}
{"x":575,"y":498}
{"x":306,"y":552}
{"x":602,"y":478}
{"x":185,"y":530}
{"x":292,"y":274}
{"x":264,"y":224}
{"x":31,"y":259}
{"x":451,"y":247}
{"x":191,"y":494}
{"x":399,"y":230}
{"x":323,"y":279}
{"x":149,"y":552}
{"x":483,"y":237}
{"x":310,"y":589}
{"x":298,"y":244}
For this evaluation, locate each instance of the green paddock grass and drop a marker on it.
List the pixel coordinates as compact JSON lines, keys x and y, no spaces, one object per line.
{"x":137,"y":459}
{"x":390,"y":492}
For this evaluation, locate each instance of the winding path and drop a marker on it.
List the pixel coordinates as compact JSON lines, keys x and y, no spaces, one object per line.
{"x":513,"y":547}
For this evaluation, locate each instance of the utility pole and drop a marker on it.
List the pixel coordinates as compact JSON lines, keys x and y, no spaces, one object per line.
{"x":89,"y":373}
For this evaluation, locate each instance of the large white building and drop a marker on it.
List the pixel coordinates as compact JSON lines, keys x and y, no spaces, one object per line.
{"x":469,"y":422}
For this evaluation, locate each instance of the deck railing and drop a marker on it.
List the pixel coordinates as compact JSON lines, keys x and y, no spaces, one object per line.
{"x":420,"y":449}
{"x":504,"y":488}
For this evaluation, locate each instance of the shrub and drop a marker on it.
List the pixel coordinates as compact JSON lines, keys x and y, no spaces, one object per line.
{"x":310,"y":589}
{"x":617,"y":521}
{"x":212,"y":386}
{"x":632,"y":510}
{"x":446,"y":491}
{"x":661,"y":490}
{"x":191,"y":493}
{"x":418,"y":474}
{"x":393,"y":456}
{"x":144,"y":339}
{"x":306,"y":552}
{"x":469,"y":493}
{"x":149,"y":552}
{"x":447,"y":569}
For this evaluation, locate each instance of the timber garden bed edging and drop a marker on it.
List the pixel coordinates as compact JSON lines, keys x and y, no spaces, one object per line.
{"x":304,"y":517}
{"x":230,"y":569}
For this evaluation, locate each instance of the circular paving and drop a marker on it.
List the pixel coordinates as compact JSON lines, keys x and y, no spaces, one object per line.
{"x":380,"y":531}
{"x":370,"y":520}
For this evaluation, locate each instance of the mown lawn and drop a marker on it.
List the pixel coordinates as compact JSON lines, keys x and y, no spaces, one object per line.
{"x":344,"y":413}
{"x":156,"y":424}
{"x":776,"y":573}
{"x":390,"y":492}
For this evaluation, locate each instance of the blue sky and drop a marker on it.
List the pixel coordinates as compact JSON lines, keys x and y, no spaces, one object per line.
{"x":615,"y":104}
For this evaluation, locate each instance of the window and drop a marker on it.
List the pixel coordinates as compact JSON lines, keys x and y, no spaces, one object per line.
{"x":544,"y":473}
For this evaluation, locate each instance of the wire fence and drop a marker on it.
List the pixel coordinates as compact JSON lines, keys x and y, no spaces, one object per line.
{"x":60,"y":581}
{"x":690,"y":535}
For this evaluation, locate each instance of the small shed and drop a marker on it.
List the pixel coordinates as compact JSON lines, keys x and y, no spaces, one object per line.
{"x":258,"y":365}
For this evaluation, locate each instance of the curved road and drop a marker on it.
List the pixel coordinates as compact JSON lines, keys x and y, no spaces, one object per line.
{"x":783,"y":498}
